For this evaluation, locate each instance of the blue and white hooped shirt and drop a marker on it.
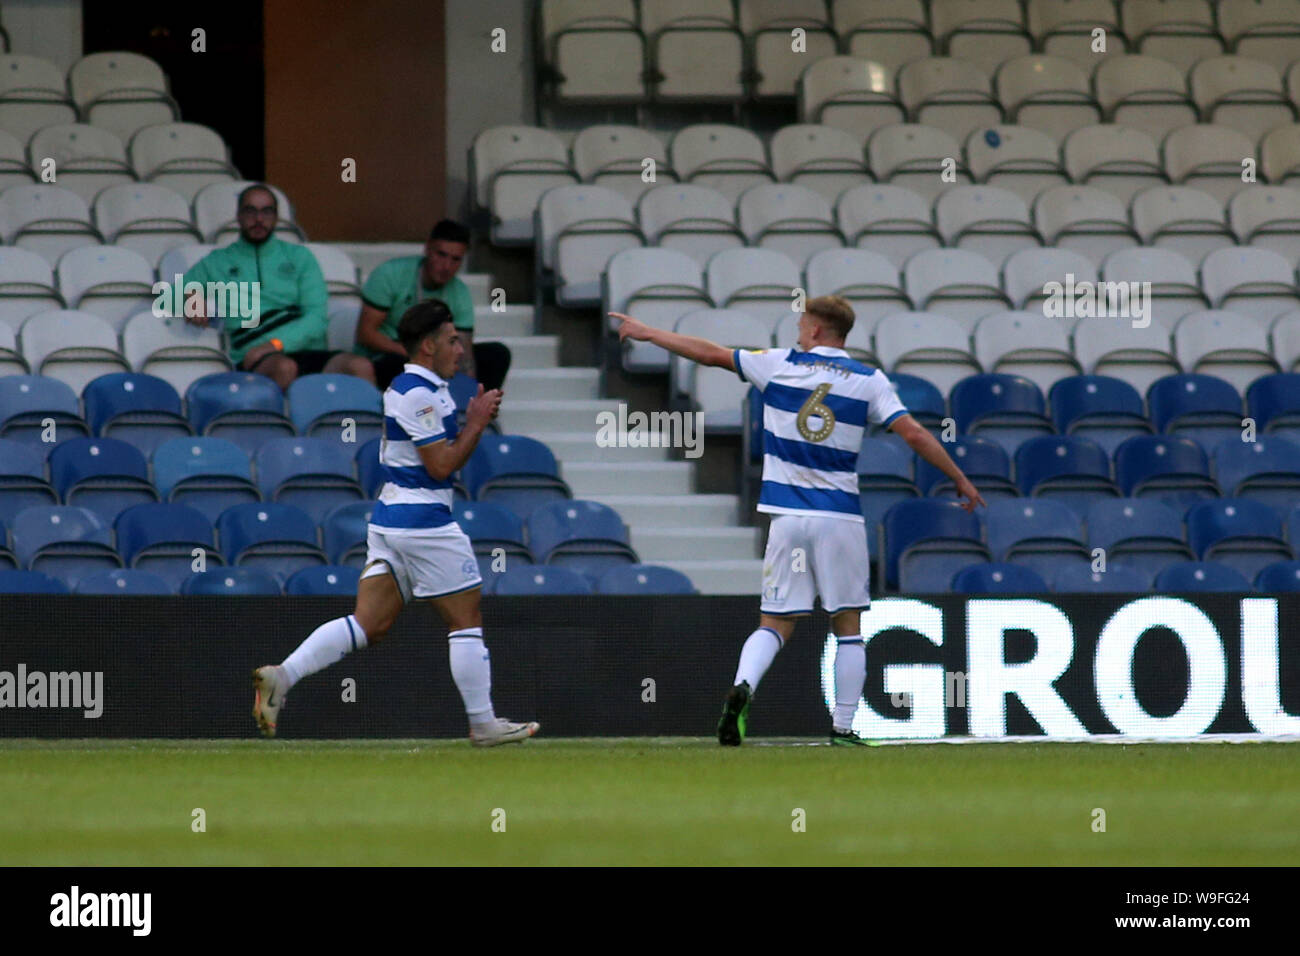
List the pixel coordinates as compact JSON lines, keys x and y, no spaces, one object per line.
{"x":418,"y":410}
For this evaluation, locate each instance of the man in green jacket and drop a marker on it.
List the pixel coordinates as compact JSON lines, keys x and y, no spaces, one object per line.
{"x":289,"y":336}
{"x":396,"y":285}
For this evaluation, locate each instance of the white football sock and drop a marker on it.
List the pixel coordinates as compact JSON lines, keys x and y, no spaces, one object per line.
{"x":850,"y":675}
{"x":330,"y":642}
{"x":757,"y":656}
{"x":471,"y":669}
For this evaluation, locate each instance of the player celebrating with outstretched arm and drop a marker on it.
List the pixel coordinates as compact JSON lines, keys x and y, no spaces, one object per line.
{"x":416,"y":549}
{"x":817,"y":402}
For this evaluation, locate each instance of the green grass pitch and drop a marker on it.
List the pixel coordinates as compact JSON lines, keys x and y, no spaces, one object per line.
{"x":645,"y":801}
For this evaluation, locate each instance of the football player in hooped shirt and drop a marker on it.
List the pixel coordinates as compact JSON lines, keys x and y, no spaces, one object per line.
{"x":817,"y":403}
{"x":416,"y":550}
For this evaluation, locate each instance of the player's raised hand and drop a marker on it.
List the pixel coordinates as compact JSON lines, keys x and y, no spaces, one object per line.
{"x":630,"y":328}
{"x":966,"y":490}
{"x":483,"y":407}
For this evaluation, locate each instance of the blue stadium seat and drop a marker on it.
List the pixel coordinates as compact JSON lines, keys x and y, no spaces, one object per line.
{"x":208,"y":474}
{"x":313,"y":474}
{"x":927,"y":542}
{"x":8,"y":560}
{"x":63,"y":541}
{"x":369,"y":470}
{"x":102,"y":474}
{"x":920,"y":397}
{"x":1006,"y":408}
{"x":124,"y":581}
{"x":1124,"y":578}
{"x":29,"y":582}
{"x":515,"y":471}
{"x":329,"y":579}
{"x":1166,"y":467}
{"x":1282,"y":577}
{"x":1146,"y":532}
{"x":1245,"y":535}
{"x":538,"y":579}
{"x":236,"y":582}
{"x":1274,"y":402}
{"x":27,"y":401}
{"x":1201,"y":407}
{"x":884,"y":477}
{"x":1201,"y":576}
{"x":1065,"y":468}
{"x":984,"y":461}
{"x":1100,"y":408}
{"x":344,"y":532}
{"x":583,"y":536}
{"x":1035,"y":533}
{"x":243,"y":407}
{"x":998,"y":579}
{"x":462,"y":389}
{"x":319,"y":405}
{"x":142,"y":410}
{"x":491,"y":527}
{"x":644,"y":579}
{"x":279,"y":538}
{"x":161,"y":538}
{"x":1266,"y":470}
{"x":22,"y":479}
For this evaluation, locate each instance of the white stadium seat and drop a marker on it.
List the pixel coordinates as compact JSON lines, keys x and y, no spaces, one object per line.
{"x":86,"y":158}
{"x":1267,"y":30}
{"x":1179,"y":31}
{"x":870,"y":282}
{"x":14,"y":168}
{"x":1047,"y":93}
{"x":888,"y":32}
{"x":1088,"y":220}
{"x":1250,"y":281}
{"x":144,"y":217}
{"x":956,"y":282}
{"x":1267,"y":217}
{"x":696,"y":220}
{"x":921,"y":158}
{"x":1227,"y":344}
{"x":1279,"y":155}
{"x":928,"y":344}
{"x":789,"y":218}
{"x":887,"y":219}
{"x":1065,"y":28}
{"x":74,"y":347}
{"x":1284,"y":335}
{"x":993,"y":222}
{"x":1119,"y":159}
{"x":615,"y":157}
{"x":33,"y":95}
{"x":823,"y":158}
{"x":1143,"y":92}
{"x":658,"y":286}
{"x":1026,"y":274}
{"x":718,"y":393}
{"x":578,"y":229}
{"x":26,"y":286}
{"x":511,"y":167}
{"x":1174,"y":289}
{"x":594,"y":49}
{"x":182,"y":259}
{"x":696,"y":48}
{"x":1207,"y":157}
{"x":342,"y":277}
{"x":762,"y":282}
{"x":851,"y":94}
{"x":1241,"y":93}
{"x":1023,"y":160}
{"x":1027,"y":344}
{"x":1110,"y":345}
{"x":121,"y":91}
{"x":726,"y":158}
{"x":1182,"y":218}
{"x":949,"y":94}
{"x":983,"y":32}
{"x":173,"y":350}
{"x":767,"y":26}
{"x":111,"y":282}
{"x":48,"y":220}
{"x":181,"y":156}
{"x":11,"y":359}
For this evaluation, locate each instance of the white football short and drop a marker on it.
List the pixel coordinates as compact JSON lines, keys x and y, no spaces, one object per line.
{"x":428,"y":563}
{"x":811,"y":556}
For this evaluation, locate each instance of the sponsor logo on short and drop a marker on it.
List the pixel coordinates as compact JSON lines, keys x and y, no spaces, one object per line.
{"x":105,"y":910}
{"x":22,"y":688}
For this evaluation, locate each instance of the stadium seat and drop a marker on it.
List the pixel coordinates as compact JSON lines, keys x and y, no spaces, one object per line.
{"x":1273,"y":401}
{"x":1207,"y":157}
{"x":1181,"y":218}
{"x":1099,"y":408}
{"x":695,"y":220}
{"x":958,"y":283}
{"x":696,"y":48}
{"x":22,"y":480}
{"x":1198,"y":576}
{"x":63,"y":541}
{"x":242,"y":407}
{"x":1201,"y":407}
{"x":884,"y":477}
{"x":328,"y":580}
{"x":313,"y":474}
{"x":985,"y":34}
{"x":870,"y":282}
{"x":1171,"y":469}
{"x":767,"y":26}
{"x":173,"y":350}
{"x":1068,"y":469}
{"x":124,"y":581}
{"x":215,"y":213}
{"x":14,"y":168}
{"x":145,"y":218}
{"x":87,"y":158}
{"x":579,"y":228}
{"x":1137,"y":354}
{"x":854,"y":95}
{"x":1037,"y":534}
{"x":1279,"y":578}
{"x":1145,"y":533}
{"x":1006,"y":408}
{"x":495,"y":532}
{"x":1216,"y":342}
{"x":511,"y":168}
{"x":716,"y":392}
{"x":1175,"y":291}
{"x":516,"y":472}
{"x":1279,"y":151}
{"x":1019,"y":159}
{"x":727,"y":158}
{"x":104,"y":475}
{"x":1121,"y":160}
{"x":1179,"y":31}
{"x":1249,"y":281}
{"x":924,"y":160}
{"x":74,"y":347}
{"x":162,"y":539}
{"x":1085,"y":219}
{"x":890,"y":220}
{"x":1239,"y":533}
{"x":184,"y":157}
{"x":530,"y":580}
{"x":28,"y":401}
{"x":1117,"y":578}
{"x":821,"y":158}
{"x":344,"y":533}
{"x":208,"y":474}
{"x":1267,"y":217}
{"x":998,"y":579}
{"x":658,"y":286}
{"x":1284,"y":334}
{"x":1026,"y":344}
{"x":592,"y":51}
{"x":121,"y":91}
{"x":891,"y":33}
{"x":614,"y":157}
{"x":279,"y":538}
{"x":644,"y":579}
{"x":583,"y":536}
{"x":1241,"y":93}
{"x":33,"y":95}
{"x":1028,"y":277}
{"x":1047,"y":93}
{"x":321,"y":405}
{"x":26,"y":287}
{"x":1266,"y":470}
{"x":787,"y":218}
{"x":985,"y":219}
{"x":927,"y":542}
{"x":948,"y":93}
{"x":920,"y":397}
{"x":8,"y":560}
{"x":1262,"y":29}
{"x":29,"y":582}
{"x":234,"y":582}
{"x":11,"y":360}
{"x":982,"y":460}
{"x":758,"y":281}
{"x":342,"y":279}
{"x":141,"y":410}
{"x":369,"y":470}
{"x":47,"y":220}
{"x":926,"y":344}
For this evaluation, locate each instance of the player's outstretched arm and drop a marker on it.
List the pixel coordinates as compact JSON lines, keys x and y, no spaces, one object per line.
{"x":444,"y":458}
{"x":929,"y":448}
{"x":687,"y":346}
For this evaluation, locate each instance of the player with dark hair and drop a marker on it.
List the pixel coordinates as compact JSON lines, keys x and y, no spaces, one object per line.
{"x":396,"y":285}
{"x":817,"y":403}
{"x":416,"y":549}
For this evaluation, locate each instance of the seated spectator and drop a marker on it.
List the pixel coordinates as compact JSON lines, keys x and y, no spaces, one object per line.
{"x":398,"y":284}
{"x":290,"y":337}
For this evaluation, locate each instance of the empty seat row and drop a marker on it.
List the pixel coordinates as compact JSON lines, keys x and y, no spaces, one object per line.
{"x":1126,"y":577}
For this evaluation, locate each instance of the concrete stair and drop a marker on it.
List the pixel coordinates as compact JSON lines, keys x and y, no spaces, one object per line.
{"x":600,"y":479}
{"x":552,"y":384}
